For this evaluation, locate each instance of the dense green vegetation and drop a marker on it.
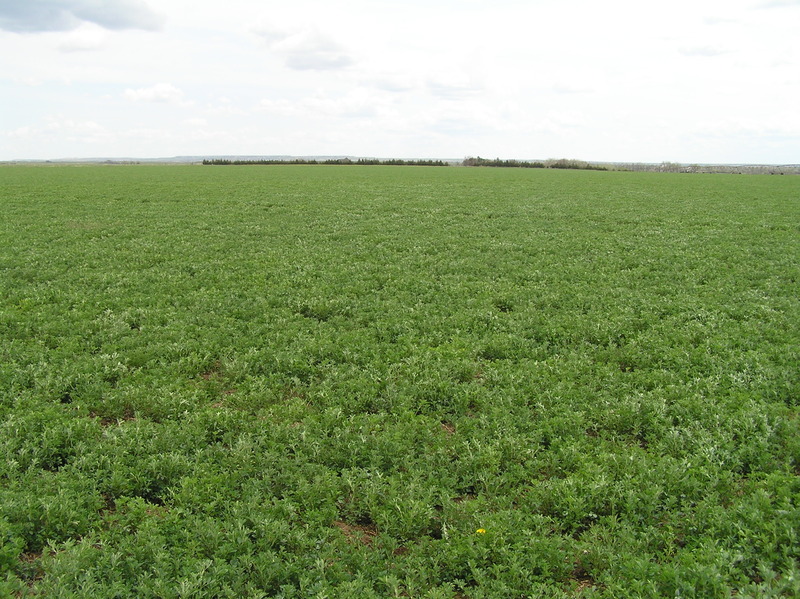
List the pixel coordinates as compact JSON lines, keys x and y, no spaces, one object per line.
{"x":300,"y":381}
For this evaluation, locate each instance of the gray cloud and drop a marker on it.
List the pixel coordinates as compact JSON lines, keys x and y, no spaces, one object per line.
{"x":32,"y":16}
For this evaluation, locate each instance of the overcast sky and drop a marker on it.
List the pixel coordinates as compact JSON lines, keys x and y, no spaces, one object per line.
{"x":622,"y":80}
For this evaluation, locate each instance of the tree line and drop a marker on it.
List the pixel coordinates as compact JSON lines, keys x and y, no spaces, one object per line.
{"x":559,"y":163}
{"x":360,"y":161}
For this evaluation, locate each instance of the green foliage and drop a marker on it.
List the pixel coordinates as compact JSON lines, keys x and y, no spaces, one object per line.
{"x":374,"y":381}
{"x":497,"y":162}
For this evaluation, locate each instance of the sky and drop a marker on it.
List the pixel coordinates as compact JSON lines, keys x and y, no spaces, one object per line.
{"x":700,"y":81}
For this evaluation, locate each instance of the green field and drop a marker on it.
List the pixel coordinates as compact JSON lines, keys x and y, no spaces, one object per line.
{"x":324,"y":381}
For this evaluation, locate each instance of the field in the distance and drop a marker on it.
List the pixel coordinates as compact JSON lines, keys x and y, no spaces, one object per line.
{"x":294,"y":381}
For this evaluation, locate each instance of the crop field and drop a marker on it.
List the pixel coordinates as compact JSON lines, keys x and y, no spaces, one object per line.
{"x":373,"y":381}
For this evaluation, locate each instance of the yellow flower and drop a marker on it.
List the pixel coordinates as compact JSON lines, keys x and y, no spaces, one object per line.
{"x":481,"y":531}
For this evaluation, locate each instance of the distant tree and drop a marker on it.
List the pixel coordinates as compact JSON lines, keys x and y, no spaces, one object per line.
{"x":670,"y":167}
{"x":559,"y":163}
{"x":334,"y":161}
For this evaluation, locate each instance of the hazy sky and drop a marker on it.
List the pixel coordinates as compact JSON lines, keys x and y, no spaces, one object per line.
{"x":620,"y":80}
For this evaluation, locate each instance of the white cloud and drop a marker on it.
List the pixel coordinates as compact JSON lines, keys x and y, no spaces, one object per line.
{"x":21,"y":132}
{"x":510,"y":79}
{"x":29,"y":16}
{"x":169,"y":136}
{"x":225,"y":110}
{"x":702,"y":50}
{"x":306,"y":49}
{"x":772,"y":126}
{"x":779,"y":4}
{"x":358,"y":103}
{"x":83,"y":132}
{"x":85,"y":38}
{"x":280,"y":107}
{"x":568,"y":87}
{"x":150,"y":134}
{"x":160,"y":92}
{"x":717,"y":20}
{"x":395,"y":83}
{"x":452,"y":86}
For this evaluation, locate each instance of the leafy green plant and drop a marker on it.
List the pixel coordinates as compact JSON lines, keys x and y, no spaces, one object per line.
{"x":303,"y":380}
